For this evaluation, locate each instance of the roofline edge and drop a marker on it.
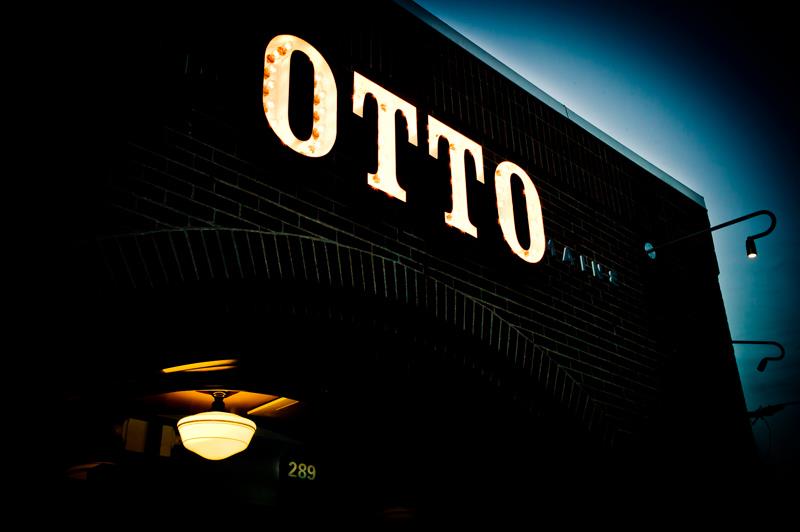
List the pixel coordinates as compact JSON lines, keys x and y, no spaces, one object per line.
{"x":442,"y":27}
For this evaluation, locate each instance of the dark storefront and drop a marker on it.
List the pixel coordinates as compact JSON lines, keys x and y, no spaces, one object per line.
{"x":427,"y":362}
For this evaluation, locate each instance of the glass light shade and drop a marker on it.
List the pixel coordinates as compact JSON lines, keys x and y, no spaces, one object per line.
{"x":216,"y":435}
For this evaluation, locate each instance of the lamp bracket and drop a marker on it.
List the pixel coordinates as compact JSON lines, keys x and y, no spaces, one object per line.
{"x":219,"y":395}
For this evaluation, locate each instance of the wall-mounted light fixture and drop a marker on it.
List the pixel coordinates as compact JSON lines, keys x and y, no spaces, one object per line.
{"x":762,"y":365}
{"x":217,"y":434}
{"x":749,"y":243}
{"x":770,"y":410}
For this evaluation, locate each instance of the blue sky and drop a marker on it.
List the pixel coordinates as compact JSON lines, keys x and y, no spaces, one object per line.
{"x":708,"y":96}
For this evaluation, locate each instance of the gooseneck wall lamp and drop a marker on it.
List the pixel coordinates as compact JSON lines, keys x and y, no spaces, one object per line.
{"x":770,"y":410}
{"x":749,"y":243}
{"x":217,"y":434}
{"x":762,"y":365}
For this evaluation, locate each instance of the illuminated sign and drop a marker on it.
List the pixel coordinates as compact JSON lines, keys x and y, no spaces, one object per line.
{"x":385,"y":177}
{"x":323,"y":137}
{"x":276,"y":96}
{"x":502,"y":185}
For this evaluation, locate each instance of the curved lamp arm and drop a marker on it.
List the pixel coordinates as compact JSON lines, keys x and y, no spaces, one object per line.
{"x":762,"y":365}
{"x":763,"y":411}
{"x":749,"y":243}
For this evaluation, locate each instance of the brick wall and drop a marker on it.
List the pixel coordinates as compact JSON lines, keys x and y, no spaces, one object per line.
{"x":191,"y":151}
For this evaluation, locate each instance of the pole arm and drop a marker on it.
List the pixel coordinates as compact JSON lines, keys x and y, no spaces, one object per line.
{"x":773,"y":222}
{"x":763,"y":363}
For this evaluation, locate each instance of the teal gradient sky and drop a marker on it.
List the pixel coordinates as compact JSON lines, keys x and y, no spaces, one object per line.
{"x":708,"y":96}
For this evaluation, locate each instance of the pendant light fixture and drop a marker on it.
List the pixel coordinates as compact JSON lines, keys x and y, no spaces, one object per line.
{"x":217,"y":434}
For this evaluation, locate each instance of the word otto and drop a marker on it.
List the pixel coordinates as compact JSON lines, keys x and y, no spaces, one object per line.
{"x":323,"y":137}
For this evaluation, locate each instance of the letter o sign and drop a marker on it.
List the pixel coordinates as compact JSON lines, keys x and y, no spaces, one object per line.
{"x":505,"y":211}
{"x":277,"y":65}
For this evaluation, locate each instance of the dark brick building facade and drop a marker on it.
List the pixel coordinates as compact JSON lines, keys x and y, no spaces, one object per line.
{"x":191,"y":231}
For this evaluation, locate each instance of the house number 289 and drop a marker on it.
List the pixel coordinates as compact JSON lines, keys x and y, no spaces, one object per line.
{"x":302,"y":471}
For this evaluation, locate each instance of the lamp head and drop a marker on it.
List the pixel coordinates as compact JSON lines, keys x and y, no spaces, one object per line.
{"x":750,"y":246}
{"x":762,"y":365}
{"x":217,"y":434}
